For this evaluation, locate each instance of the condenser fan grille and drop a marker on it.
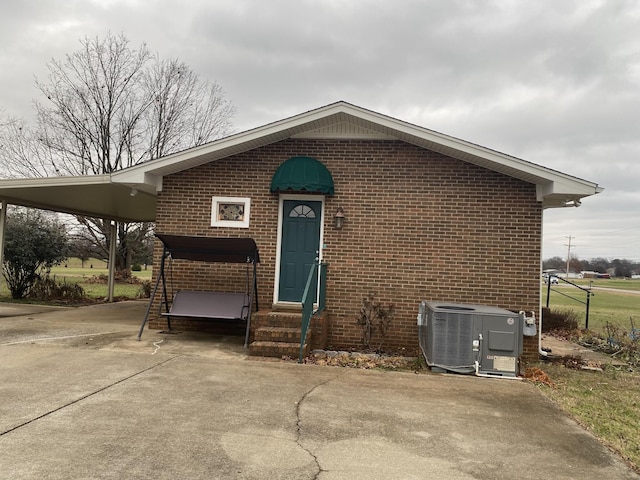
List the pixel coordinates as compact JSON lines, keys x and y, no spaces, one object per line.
{"x":452,"y":336}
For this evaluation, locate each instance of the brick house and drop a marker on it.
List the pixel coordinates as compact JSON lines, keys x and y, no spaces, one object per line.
{"x":425,"y":217}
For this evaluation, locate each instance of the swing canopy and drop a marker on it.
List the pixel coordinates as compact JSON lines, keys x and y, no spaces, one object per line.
{"x":211,"y":249}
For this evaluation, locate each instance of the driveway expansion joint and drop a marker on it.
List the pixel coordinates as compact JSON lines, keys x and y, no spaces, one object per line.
{"x":83,"y":397}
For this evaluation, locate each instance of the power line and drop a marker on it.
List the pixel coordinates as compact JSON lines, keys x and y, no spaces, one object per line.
{"x":599,"y":233}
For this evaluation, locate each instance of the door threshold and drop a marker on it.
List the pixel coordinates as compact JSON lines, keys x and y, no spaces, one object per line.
{"x":287,"y":307}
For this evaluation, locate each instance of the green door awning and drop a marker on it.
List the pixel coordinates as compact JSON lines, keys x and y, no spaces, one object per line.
{"x":302,"y":174}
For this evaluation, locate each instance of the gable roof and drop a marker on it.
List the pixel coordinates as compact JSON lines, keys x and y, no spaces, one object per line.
{"x":342,"y":119}
{"x":130,"y":194}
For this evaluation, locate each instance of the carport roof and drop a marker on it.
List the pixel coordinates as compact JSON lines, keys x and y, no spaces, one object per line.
{"x":110,"y":196}
{"x":94,"y":196}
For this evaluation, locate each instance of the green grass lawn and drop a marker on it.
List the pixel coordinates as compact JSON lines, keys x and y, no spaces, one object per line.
{"x":85,"y":273}
{"x":74,"y":267}
{"x":604,"y":306}
{"x":72,"y":271}
{"x":625,"y":284}
{"x":605,"y":403}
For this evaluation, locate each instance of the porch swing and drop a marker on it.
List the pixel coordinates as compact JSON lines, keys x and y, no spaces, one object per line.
{"x":207,"y":305}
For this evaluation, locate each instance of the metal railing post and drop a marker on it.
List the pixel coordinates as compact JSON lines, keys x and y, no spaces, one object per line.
{"x":586,"y":322}
{"x":307,"y":309}
{"x":308,"y":297}
{"x":323,"y":287}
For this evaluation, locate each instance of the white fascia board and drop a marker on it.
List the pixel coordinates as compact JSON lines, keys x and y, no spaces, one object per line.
{"x":148,"y":171}
{"x":149,"y":174}
{"x":70,"y":181}
{"x":542,"y":176}
{"x":572,"y":189}
{"x":563,"y":194}
{"x":529,"y":169}
{"x":547,"y":181}
{"x":55,"y":181}
{"x":139,"y":178}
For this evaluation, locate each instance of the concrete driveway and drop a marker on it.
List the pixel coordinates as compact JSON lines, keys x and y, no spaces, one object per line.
{"x":82,"y":398}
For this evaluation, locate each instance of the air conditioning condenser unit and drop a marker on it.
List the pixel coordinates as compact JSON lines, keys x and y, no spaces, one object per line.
{"x":466,"y":338}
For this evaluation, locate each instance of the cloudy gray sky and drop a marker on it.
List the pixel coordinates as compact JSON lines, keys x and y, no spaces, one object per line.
{"x":555,"y":82}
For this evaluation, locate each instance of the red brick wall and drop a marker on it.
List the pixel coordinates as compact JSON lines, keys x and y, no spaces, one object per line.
{"x":419,"y":226}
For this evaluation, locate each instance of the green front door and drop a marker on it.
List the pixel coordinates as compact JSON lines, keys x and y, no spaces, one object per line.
{"x":299,"y":247}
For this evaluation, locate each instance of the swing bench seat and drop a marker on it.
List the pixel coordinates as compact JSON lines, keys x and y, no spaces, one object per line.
{"x":210,"y":305}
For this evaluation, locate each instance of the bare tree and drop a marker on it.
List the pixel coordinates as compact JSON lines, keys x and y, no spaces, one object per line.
{"x":21,"y":154}
{"x":95,"y":105}
{"x":183,"y":111}
{"x":110,"y":106}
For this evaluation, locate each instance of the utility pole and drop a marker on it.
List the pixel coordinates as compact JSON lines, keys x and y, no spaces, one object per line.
{"x":568,"y":245}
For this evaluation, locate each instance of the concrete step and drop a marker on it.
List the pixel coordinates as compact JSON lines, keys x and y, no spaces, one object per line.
{"x":279,"y":334}
{"x":277,"y":349}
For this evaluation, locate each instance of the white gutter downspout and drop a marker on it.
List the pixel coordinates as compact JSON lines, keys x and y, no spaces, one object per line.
{"x":570,"y":203}
{"x":3,"y":222}
{"x":113,"y":232}
{"x":540,"y":351}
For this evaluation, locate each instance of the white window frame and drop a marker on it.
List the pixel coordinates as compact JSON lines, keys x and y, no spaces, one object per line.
{"x":215,"y":205}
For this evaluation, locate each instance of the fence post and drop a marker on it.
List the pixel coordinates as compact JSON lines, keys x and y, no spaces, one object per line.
{"x":548,"y":290}
{"x":586,"y":323}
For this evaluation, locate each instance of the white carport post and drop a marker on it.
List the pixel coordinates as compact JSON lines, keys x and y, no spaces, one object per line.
{"x":113,"y":239}
{"x":3,"y":221}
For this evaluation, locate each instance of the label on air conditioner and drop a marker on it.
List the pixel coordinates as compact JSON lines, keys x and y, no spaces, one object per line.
{"x":505,"y":364}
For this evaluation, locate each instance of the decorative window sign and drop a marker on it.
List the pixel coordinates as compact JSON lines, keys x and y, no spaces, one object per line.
{"x":230,"y":212}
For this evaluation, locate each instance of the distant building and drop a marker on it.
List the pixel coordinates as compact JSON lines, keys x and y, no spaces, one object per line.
{"x":590,"y":274}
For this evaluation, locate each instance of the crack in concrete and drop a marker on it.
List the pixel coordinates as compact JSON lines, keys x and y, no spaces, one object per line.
{"x":299,"y":425}
{"x":83,"y":397}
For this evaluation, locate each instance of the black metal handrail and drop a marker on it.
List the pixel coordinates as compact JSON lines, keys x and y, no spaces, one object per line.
{"x":308,"y":300}
{"x":587,"y":290}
